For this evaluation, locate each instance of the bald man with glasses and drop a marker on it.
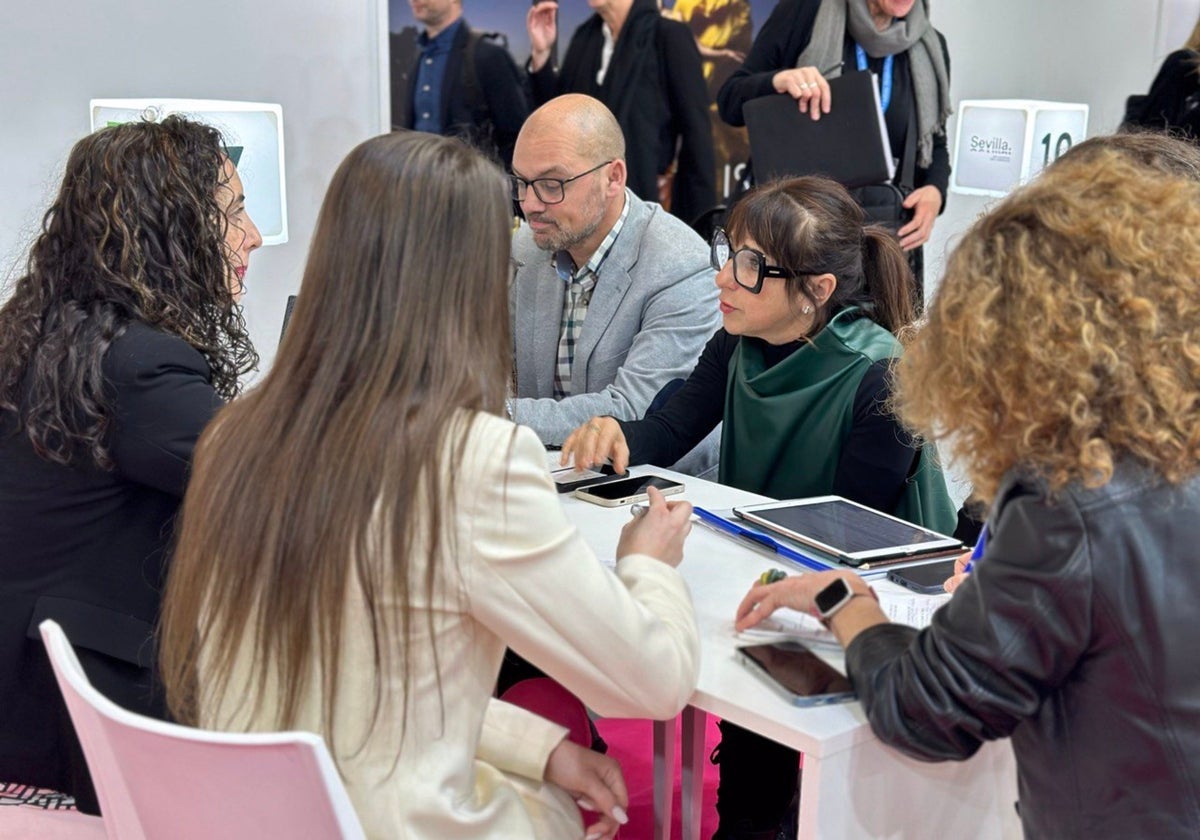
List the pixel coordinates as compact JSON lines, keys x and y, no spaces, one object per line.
{"x":613,"y":297}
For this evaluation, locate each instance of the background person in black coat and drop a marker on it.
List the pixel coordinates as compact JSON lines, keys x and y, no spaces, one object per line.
{"x":1173,"y":103}
{"x":647,"y":70}
{"x":116,"y":348}
{"x":803,"y":42}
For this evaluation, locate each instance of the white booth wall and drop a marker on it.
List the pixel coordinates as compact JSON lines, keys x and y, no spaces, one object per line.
{"x":1091,"y":51}
{"x":322,"y":62}
{"x":319,"y":60}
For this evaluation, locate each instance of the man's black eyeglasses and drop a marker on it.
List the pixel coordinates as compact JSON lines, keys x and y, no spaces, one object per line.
{"x":749,"y":266}
{"x":548,"y":190}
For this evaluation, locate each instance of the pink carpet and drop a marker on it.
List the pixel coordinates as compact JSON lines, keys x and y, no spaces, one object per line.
{"x":27,"y":813}
{"x":631,"y":742}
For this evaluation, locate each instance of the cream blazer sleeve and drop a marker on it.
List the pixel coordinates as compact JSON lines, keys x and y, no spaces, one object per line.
{"x":625,"y":643}
{"x":516,"y":740}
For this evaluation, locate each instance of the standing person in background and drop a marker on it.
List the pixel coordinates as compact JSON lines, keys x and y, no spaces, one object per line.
{"x":805,"y":42}
{"x":1173,"y":103}
{"x":455,"y":81}
{"x":116,"y":348}
{"x":1060,"y":362}
{"x":357,"y":566}
{"x":646,"y":69}
{"x":810,"y":301}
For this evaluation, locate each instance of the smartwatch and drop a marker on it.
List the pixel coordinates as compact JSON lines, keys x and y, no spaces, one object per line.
{"x":832,"y":598}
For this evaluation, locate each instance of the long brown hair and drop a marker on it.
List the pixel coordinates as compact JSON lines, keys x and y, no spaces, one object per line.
{"x":812,"y":226}
{"x":333,"y":467}
{"x":134,"y":234}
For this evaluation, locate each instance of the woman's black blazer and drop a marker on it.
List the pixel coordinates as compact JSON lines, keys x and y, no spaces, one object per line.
{"x":86,"y":547}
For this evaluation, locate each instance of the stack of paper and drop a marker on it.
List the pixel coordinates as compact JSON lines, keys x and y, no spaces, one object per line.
{"x":790,"y":625}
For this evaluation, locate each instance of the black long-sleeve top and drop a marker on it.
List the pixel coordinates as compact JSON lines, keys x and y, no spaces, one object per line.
{"x":779,"y":43}
{"x":876,"y":456}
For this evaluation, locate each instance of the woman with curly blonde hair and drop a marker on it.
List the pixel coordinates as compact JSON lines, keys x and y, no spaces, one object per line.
{"x":1061,"y":365}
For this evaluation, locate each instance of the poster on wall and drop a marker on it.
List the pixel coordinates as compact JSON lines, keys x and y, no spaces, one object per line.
{"x":253,"y":136}
{"x":723,"y":29}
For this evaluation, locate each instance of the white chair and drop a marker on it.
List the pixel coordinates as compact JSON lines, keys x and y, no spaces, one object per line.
{"x":158,"y":780}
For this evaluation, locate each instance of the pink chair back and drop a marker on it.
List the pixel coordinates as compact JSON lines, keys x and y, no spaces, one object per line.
{"x":160,"y":780}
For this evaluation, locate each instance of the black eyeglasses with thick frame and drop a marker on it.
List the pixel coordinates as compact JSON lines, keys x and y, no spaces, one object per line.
{"x":721,"y":252}
{"x":548,"y":190}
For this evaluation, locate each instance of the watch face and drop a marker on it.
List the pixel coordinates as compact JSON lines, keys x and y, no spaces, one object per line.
{"x":831,"y":596}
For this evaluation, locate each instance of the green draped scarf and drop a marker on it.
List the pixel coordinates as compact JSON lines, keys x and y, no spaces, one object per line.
{"x":785,"y":426}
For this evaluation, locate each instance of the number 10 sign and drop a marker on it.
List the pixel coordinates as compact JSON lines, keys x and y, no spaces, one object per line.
{"x":1001,"y":143}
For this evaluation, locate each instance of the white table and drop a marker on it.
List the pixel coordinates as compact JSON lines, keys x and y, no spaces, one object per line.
{"x":853,"y":786}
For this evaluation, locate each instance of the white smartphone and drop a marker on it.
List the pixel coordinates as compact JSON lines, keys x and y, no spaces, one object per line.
{"x":624,"y":491}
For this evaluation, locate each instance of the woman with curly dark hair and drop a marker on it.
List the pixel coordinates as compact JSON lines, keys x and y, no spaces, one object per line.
{"x":118,"y":344}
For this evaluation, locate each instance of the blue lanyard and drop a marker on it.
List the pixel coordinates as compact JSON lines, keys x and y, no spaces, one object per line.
{"x":885,"y":82}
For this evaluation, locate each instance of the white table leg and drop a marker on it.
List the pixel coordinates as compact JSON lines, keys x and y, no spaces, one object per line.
{"x":664,"y":776}
{"x":692,"y":781}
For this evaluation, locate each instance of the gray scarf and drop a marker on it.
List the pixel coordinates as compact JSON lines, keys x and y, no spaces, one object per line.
{"x":912,"y":34}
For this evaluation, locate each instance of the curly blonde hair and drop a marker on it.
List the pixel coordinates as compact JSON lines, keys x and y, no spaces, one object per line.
{"x":1066,"y":334}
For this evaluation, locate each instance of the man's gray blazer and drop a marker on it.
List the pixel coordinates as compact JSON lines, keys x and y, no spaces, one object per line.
{"x":653,"y":309}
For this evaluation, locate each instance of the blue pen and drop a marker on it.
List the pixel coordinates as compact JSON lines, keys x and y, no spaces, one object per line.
{"x":977,"y":551}
{"x":759,"y":540}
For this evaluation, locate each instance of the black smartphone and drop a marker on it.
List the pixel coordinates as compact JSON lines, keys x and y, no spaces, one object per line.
{"x":799,"y":674}
{"x":928,"y":579}
{"x":569,"y":478}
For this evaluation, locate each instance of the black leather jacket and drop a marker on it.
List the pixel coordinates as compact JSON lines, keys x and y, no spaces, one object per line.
{"x":1078,"y":636}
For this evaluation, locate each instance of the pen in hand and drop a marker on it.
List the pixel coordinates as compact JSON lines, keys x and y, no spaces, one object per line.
{"x":977,"y":551}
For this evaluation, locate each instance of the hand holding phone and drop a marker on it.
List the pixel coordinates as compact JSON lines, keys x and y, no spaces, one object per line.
{"x":659,"y":532}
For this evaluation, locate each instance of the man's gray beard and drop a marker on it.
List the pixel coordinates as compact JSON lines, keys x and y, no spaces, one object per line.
{"x":560,"y":240}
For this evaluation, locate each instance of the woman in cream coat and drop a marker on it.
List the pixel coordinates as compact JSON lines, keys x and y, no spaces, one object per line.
{"x":365,"y":534}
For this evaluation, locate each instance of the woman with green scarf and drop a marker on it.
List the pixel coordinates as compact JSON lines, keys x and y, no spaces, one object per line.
{"x":810,"y":301}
